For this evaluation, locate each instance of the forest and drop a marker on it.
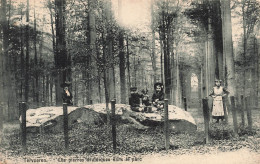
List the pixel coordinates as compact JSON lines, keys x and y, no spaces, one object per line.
{"x":185,"y":44}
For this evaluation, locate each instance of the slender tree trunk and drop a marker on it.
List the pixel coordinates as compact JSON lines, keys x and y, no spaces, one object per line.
{"x":76,"y":89}
{"x":5,"y":67}
{"x":110,"y":55}
{"x":106,"y":85}
{"x":161,"y":60}
{"x":21,"y":60}
{"x":245,"y":50}
{"x":128,"y":65}
{"x":26,"y":94}
{"x":153,"y":56}
{"x":92,"y":85}
{"x":51,"y":90}
{"x":62,"y":60}
{"x":43,"y":91}
{"x":256,"y":72}
{"x":121,"y":58}
{"x":36,"y":61}
{"x":2,"y":67}
{"x":54,"y":49}
{"x":47,"y":90}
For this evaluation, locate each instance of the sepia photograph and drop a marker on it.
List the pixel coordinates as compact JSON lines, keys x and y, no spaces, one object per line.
{"x":130,"y":81}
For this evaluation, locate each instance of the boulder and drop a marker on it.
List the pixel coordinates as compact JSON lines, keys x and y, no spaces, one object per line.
{"x":179,"y":119}
{"x":51,"y":118}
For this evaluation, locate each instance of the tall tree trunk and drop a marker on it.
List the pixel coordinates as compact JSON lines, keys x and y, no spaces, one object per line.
{"x":5,"y":62}
{"x":121,"y":58}
{"x":128,"y":65}
{"x":92,"y":85}
{"x":76,"y":89}
{"x":51,"y":90}
{"x":26,"y":92}
{"x":153,"y":56}
{"x":110,"y":56}
{"x":47,"y":90}
{"x":61,"y":57}
{"x":256,"y":71}
{"x":228,"y":47}
{"x":21,"y":60}
{"x":36,"y":61}
{"x":105,"y":72}
{"x":2,"y":66}
{"x":53,"y":47}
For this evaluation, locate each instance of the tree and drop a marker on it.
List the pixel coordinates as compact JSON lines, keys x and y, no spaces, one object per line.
{"x":26,"y":92}
{"x":62,"y":61}
{"x":228,"y":47}
{"x":121,"y":58}
{"x":36,"y":89}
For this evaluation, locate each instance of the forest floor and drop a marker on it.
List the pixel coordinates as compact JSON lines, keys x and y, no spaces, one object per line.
{"x":94,"y":144}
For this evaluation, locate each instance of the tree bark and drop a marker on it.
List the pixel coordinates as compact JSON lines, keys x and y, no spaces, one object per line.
{"x":228,"y":47}
{"x":121,"y":58}
{"x":2,"y":66}
{"x":153,"y":56}
{"x":92,"y":74}
{"x":26,"y":92}
{"x":61,"y":57}
{"x":36,"y":61}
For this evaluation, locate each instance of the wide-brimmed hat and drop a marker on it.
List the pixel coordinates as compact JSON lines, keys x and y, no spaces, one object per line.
{"x":158,"y":84}
{"x":65,"y":84}
{"x":218,"y":80}
{"x":133,"y":88}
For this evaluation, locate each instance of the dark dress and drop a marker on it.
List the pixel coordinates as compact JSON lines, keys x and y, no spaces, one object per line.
{"x":67,"y":98}
{"x":145,"y":100}
{"x":134,"y":101}
{"x":159,"y":96}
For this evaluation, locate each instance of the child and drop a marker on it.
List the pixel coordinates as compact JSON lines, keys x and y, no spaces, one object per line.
{"x":66,"y":94}
{"x":146,"y":101}
{"x":134,"y":100}
{"x":145,"y":98}
{"x":217,"y":93}
{"x":158,"y":96}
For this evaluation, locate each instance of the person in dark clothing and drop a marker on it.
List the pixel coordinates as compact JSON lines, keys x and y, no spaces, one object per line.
{"x":66,"y":94}
{"x":146,"y":101}
{"x":158,"y":96}
{"x":134,"y":100}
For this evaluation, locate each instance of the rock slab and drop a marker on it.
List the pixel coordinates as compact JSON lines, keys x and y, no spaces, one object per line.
{"x":51,"y":118}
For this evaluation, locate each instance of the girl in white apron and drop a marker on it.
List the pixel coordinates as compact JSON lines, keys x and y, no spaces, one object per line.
{"x":217,"y":93}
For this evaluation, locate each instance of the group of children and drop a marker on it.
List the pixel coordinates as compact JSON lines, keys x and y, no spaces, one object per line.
{"x":141,"y":102}
{"x":217,"y":93}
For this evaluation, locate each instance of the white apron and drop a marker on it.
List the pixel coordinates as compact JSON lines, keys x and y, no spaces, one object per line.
{"x":218,"y":107}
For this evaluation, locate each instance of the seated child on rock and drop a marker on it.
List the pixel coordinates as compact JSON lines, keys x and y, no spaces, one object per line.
{"x":146,"y":101}
{"x":134,"y":100}
{"x":158,"y":96}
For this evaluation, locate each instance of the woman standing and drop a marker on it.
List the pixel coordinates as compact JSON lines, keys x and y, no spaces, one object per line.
{"x":66,"y":94}
{"x":217,"y":93}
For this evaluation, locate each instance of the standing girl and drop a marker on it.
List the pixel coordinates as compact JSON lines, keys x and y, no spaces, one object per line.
{"x":217,"y":93}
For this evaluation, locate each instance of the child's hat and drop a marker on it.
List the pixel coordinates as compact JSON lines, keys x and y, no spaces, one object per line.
{"x":218,"y":80}
{"x":133,"y":88}
{"x":158,"y":84}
